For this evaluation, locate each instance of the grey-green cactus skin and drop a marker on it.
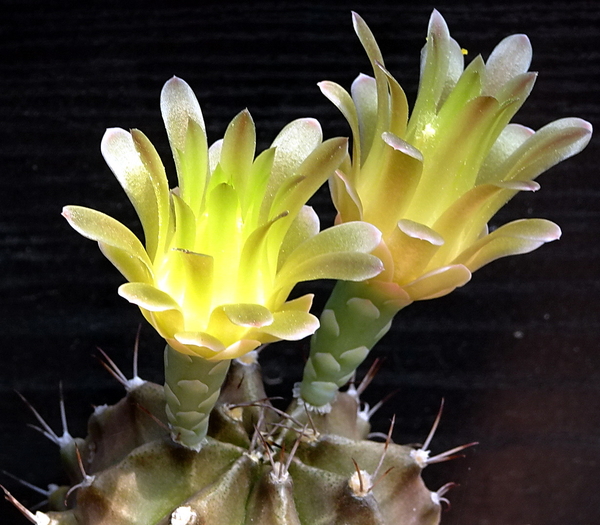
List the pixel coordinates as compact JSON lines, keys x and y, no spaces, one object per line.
{"x":258,"y":466}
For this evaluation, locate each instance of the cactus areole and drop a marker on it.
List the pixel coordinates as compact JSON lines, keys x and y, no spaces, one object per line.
{"x":223,"y":250}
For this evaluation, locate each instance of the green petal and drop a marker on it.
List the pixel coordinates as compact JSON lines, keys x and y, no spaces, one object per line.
{"x":185,"y":225}
{"x":511,"y":138}
{"x":412,"y":245}
{"x":438,"y":283}
{"x":237,"y":154}
{"x":305,"y":226}
{"x":189,"y":278}
{"x":257,"y":261}
{"x":511,"y":57}
{"x":550,"y":145}
{"x":200,"y":340}
{"x":518,"y":87}
{"x":293,"y":145}
{"x":517,"y":237}
{"x":260,"y":172}
{"x":386,"y":196}
{"x":291,"y":325}
{"x":438,"y":72}
{"x":148,"y":297}
{"x":399,"y":105}
{"x":178,"y":106}
{"x":372,"y":49}
{"x":345,"y":198}
{"x":312,"y":173}
{"x":348,"y":237}
{"x":343,"y":266}
{"x":121,"y":155}
{"x":467,"y":88}
{"x":364,"y":95}
{"x":187,"y":136}
{"x":248,"y":315}
{"x":119,"y":244}
{"x":159,"y":182}
{"x":343,"y":101}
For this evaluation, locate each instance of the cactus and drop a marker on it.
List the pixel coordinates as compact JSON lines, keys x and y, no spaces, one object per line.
{"x":222,"y":253}
{"x":258,"y":465}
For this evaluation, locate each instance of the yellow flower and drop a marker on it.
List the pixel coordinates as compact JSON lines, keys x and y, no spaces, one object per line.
{"x":432,"y":182}
{"x":225,"y":248}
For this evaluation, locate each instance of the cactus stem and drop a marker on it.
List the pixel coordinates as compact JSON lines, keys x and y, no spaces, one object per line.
{"x":192,"y":386}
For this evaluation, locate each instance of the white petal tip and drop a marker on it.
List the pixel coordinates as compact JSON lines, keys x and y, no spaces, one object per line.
{"x":400,"y":145}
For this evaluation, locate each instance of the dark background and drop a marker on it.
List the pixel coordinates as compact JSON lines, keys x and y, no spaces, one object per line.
{"x":514,"y":353}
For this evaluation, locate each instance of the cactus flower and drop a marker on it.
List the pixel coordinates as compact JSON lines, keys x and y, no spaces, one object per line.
{"x":225,"y":248}
{"x":432,"y":182}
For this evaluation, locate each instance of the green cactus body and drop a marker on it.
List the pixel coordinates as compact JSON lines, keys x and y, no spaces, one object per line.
{"x":319,"y":470}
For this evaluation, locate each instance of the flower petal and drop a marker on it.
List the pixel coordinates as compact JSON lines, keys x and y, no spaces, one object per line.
{"x":235,"y":350}
{"x":119,"y":244}
{"x":248,"y":315}
{"x":348,"y":237}
{"x":293,"y":145}
{"x":122,"y":157}
{"x":438,"y":283}
{"x":311,"y":174}
{"x":511,"y":57}
{"x":550,"y":145}
{"x":201,"y":342}
{"x":364,"y":95}
{"x":387,"y":195}
{"x":343,"y":266}
{"x":291,"y":325}
{"x":345,"y":198}
{"x":186,"y":131}
{"x":512,"y":137}
{"x":343,"y":101}
{"x":148,"y":297}
{"x":398,"y":105}
{"x":305,"y":226}
{"x":237,"y":154}
{"x":412,"y":245}
{"x":517,"y":237}
{"x":158,"y":307}
{"x":178,"y":106}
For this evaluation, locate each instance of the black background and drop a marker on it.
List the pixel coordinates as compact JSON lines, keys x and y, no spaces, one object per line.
{"x":514,"y":353}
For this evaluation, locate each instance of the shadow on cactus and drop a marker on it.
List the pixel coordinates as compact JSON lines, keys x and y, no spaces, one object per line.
{"x":224,"y":250}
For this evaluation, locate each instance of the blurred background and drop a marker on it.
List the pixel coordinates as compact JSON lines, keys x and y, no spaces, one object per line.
{"x":514,"y":353}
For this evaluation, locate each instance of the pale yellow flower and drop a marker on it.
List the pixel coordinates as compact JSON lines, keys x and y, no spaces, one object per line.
{"x":432,"y":182}
{"x":224,"y":250}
